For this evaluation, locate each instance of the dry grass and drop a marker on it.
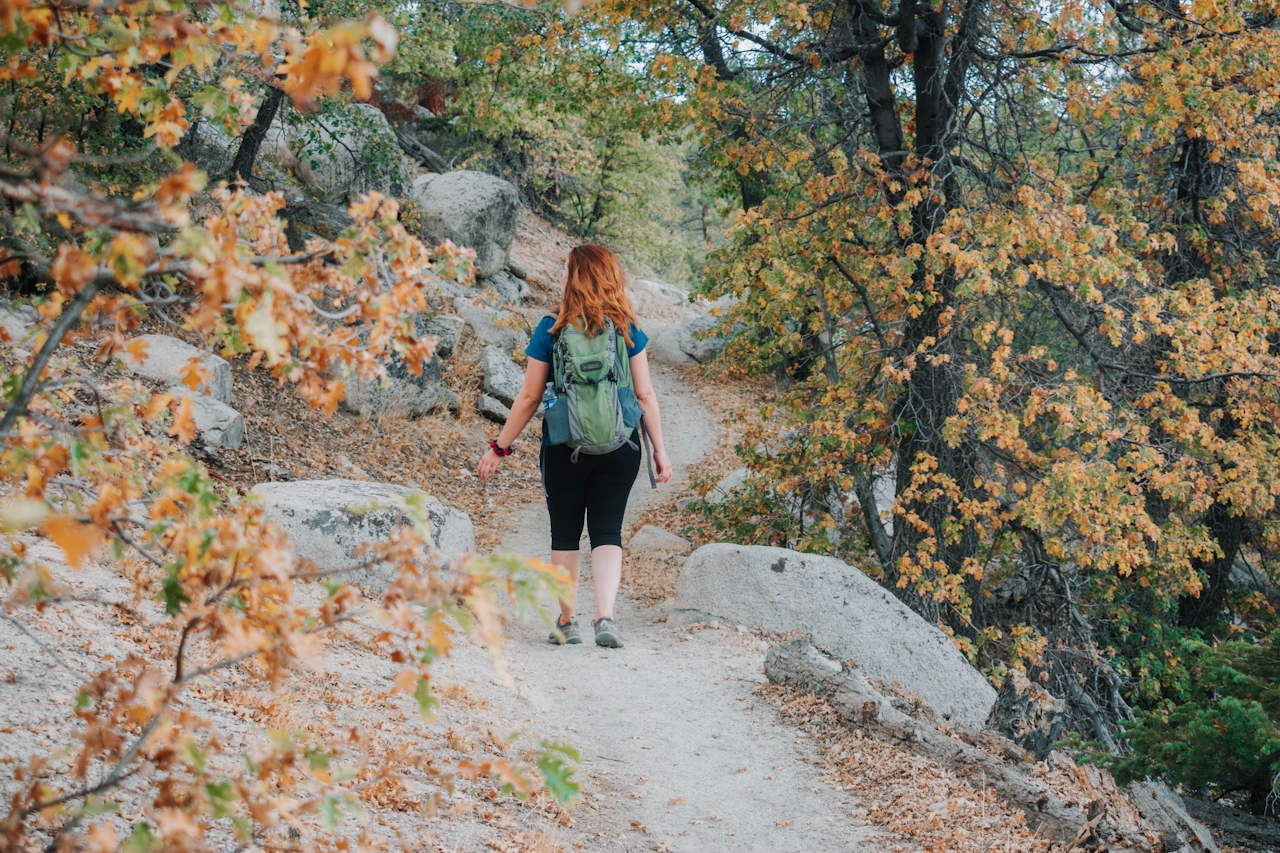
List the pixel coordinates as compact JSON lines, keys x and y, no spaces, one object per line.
{"x":526,"y":842}
{"x":910,"y":797}
{"x":652,"y":580}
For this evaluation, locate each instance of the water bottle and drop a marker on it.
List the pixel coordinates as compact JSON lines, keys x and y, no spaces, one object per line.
{"x":555,"y":414}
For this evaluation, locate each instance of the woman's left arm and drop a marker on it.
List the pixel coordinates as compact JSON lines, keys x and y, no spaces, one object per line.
{"x":652,"y":417}
{"x":522,"y":409}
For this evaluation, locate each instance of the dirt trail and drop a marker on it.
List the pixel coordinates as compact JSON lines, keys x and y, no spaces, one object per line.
{"x":677,"y":752}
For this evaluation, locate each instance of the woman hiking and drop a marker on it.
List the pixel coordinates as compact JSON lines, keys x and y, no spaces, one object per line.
{"x":589,"y":370}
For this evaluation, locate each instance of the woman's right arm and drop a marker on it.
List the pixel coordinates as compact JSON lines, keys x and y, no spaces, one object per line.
{"x":522,"y":411}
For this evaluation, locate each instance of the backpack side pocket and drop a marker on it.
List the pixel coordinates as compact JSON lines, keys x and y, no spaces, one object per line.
{"x":631,"y":411}
{"x":556,"y":414}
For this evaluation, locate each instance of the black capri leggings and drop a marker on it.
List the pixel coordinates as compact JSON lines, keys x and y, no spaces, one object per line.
{"x":597,"y":486}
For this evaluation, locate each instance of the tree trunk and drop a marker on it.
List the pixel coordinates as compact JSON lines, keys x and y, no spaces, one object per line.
{"x":1228,"y":531}
{"x":251,"y":141}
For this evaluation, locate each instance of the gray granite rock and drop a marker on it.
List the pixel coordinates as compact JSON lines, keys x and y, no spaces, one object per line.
{"x":654,"y":541}
{"x":209,"y":148}
{"x":492,"y":409}
{"x":447,"y":328}
{"x":502,"y":379}
{"x":472,"y":209}
{"x":20,"y":324}
{"x":309,"y":220}
{"x":846,"y":613}
{"x":219,"y":424}
{"x":345,"y":153}
{"x":401,"y":393}
{"x":165,"y":358}
{"x":327,"y":520}
{"x":510,"y":289}
{"x":505,"y":330}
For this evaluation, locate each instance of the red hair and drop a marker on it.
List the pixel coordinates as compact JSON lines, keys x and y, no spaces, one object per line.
{"x":595,"y":287}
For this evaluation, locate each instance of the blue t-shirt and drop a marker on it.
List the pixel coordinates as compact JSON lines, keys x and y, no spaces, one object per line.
{"x":541,"y":343}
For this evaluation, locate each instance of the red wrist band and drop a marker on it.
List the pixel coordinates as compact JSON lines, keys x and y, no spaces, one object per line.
{"x":493,"y":445}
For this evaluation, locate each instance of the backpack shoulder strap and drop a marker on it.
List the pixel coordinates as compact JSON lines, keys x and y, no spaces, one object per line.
{"x":557,"y":357}
{"x":624,"y":359}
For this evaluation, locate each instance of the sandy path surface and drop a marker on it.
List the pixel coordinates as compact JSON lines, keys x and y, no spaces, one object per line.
{"x":677,"y":753}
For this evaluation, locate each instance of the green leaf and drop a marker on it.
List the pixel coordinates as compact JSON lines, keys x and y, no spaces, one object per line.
{"x":221,"y":797}
{"x":171,"y":590}
{"x":556,"y":771}
{"x":317,"y":759}
{"x":244,"y":829}
{"x":95,"y":805}
{"x":427,"y":703}
{"x":142,"y":840}
{"x":194,"y":755}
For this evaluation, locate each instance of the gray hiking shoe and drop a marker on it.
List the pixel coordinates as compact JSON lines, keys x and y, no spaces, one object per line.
{"x":607,"y":633}
{"x":565,"y":633}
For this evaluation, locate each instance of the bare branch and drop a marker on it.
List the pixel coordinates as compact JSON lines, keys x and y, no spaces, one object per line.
{"x":31,"y":381}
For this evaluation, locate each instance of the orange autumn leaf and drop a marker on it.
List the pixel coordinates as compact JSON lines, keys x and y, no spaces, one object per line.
{"x":384,"y":38}
{"x":137,"y":351}
{"x":127,"y":257}
{"x":179,"y":186}
{"x":184,"y":422}
{"x":194,"y":373}
{"x":157,"y":404}
{"x":73,"y":268}
{"x":76,"y":540}
{"x":169,"y":126}
{"x":406,"y":681}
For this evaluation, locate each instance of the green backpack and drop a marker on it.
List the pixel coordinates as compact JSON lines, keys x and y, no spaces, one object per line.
{"x":590,"y":403}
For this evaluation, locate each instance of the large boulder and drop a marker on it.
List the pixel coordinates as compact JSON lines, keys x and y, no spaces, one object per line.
{"x":1166,"y":812}
{"x":668,"y":348}
{"x":510,"y":289}
{"x":727,"y":485}
{"x":165,"y":358}
{"x":401,"y":393}
{"x":705,"y":345}
{"x":20,"y":324}
{"x":502,"y":379}
{"x":847,"y":613}
{"x":472,"y":209}
{"x":219,"y":424}
{"x":209,"y":148}
{"x":329,"y":519}
{"x":447,"y":328}
{"x":491,"y":326}
{"x":343,"y":154}
{"x":689,"y":343}
{"x":658,"y":300}
{"x":308,"y":219}
{"x":1232,"y":826}
{"x":492,"y":409}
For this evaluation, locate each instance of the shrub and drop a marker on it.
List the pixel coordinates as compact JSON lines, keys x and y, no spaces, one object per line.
{"x":1224,"y":737}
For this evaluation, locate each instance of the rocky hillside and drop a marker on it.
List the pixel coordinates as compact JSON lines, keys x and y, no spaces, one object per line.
{"x":746,"y":666}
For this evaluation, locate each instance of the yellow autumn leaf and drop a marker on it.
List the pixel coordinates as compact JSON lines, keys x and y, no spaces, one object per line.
{"x":267,"y":334}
